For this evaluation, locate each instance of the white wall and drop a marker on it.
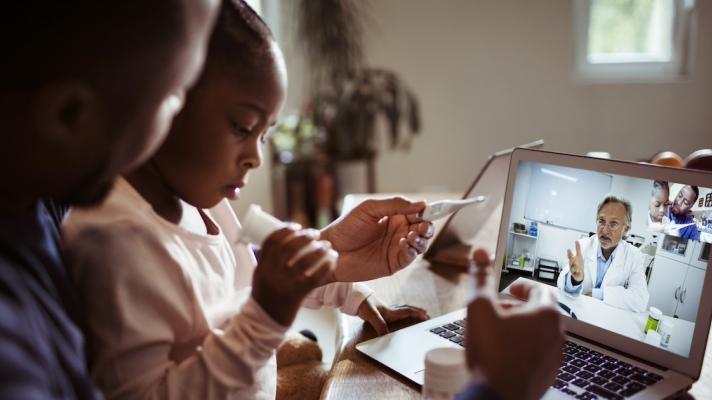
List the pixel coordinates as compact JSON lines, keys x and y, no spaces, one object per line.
{"x":491,"y":74}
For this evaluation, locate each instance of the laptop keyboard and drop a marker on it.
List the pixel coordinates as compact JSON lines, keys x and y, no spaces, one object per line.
{"x":588,"y":374}
{"x":453,"y":331}
{"x":584,"y":373}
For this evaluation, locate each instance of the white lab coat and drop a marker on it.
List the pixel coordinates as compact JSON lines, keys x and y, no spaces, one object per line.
{"x":624,"y":284}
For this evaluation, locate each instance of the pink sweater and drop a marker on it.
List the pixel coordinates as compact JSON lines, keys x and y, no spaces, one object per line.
{"x":169,"y":311}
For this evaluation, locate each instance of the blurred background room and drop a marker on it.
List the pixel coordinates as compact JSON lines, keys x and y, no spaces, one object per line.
{"x":412,"y":96}
{"x":627,"y":77}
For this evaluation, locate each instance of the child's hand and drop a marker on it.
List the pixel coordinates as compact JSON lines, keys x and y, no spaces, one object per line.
{"x":378,"y":315}
{"x":282,"y":280}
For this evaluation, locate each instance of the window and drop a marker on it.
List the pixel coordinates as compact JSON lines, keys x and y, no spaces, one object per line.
{"x":633,"y":40}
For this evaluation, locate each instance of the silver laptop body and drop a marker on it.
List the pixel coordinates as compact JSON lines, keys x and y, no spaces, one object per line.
{"x":403,"y":351}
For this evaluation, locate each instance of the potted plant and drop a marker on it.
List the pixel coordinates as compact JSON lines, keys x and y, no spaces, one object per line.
{"x":347,"y":98}
{"x":330,"y":147}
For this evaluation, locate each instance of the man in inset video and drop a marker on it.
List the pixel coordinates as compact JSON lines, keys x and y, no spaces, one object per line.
{"x":606,"y":267}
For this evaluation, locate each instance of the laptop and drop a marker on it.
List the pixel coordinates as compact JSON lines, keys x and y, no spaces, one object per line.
{"x":453,"y":246}
{"x":607,"y":354}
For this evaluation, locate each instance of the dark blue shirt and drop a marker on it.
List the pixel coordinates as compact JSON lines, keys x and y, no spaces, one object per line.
{"x":477,"y":392}
{"x":42,"y":352}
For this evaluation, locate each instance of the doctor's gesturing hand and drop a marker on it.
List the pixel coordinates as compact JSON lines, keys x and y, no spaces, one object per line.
{"x":514,"y":348}
{"x":576,"y":263}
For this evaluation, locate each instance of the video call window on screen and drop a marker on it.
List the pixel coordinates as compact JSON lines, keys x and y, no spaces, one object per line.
{"x":616,"y":249}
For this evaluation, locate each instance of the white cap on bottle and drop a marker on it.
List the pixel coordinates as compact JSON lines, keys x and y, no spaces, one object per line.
{"x":446,"y":373}
{"x":656,"y":313}
{"x":258,"y":225}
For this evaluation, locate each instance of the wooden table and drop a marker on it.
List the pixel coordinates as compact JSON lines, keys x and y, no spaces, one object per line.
{"x":438,"y":289}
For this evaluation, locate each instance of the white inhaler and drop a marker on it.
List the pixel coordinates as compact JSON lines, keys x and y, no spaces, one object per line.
{"x":258,"y":225}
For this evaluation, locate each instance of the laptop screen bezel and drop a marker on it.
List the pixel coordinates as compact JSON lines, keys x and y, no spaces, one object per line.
{"x":690,"y":366}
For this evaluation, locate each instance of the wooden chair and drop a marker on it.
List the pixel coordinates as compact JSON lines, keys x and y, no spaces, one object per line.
{"x":700,"y":159}
{"x":668,"y":158}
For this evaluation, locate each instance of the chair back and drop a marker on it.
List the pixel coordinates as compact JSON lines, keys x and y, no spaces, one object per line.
{"x":668,"y":159}
{"x":700,"y":159}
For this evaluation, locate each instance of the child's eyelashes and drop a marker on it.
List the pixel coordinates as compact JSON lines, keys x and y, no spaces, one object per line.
{"x":244,"y":131}
{"x":240,"y":130}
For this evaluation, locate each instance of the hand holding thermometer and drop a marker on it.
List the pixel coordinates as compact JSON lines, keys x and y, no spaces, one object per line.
{"x":443,"y":208}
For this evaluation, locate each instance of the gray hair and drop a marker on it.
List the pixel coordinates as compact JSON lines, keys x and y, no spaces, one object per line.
{"x":626,"y":204}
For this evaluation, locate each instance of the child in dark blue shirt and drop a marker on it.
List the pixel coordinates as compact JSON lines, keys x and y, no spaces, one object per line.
{"x":88,"y":90}
{"x":680,"y":214}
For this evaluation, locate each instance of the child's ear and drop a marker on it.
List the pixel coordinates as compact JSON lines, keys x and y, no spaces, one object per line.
{"x":66,"y":112}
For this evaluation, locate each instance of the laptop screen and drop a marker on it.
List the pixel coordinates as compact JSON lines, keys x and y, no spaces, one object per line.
{"x":626,"y":254}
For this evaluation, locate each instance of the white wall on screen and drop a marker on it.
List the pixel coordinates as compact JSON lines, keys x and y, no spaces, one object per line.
{"x":554,"y":240}
{"x":637,"y":191}
{"x":562,"y":196}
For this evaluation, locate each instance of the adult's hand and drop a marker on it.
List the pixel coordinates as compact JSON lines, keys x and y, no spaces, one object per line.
{"x":517,"y":349}
{"x":576,"y":263}
{"x":377,"y":238}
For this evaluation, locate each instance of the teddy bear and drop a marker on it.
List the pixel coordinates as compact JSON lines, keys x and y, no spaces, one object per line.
{"x":300,"y":372}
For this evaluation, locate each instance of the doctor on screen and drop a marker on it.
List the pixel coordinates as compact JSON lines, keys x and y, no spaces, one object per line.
{"x":606,"y":267}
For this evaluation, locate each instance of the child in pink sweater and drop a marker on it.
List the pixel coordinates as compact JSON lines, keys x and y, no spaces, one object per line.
{"x":176,"y":307}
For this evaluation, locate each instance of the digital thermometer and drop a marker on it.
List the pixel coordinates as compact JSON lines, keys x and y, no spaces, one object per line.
{"x":443,"y":208}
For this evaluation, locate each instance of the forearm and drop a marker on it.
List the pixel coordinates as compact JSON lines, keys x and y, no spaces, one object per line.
{"x":325,"y":234}
{"x":345,"y":296}
{"x":226,"y":362}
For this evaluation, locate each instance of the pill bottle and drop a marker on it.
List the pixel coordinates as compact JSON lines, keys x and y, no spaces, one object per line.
{"x":654,"y":316}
